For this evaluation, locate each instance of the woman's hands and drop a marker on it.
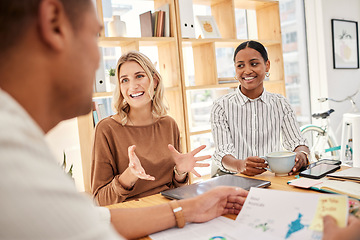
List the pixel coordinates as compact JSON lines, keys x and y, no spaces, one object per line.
{"x":187,"y":161}
{"x":135,"y":165}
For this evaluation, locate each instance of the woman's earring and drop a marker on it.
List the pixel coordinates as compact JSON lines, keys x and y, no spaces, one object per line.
{"x":267,"y":74}
{"x":235,"y":77}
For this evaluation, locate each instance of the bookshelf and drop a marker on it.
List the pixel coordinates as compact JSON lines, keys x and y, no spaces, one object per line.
{"x":176,"y":55}
{"x":204,"y":56}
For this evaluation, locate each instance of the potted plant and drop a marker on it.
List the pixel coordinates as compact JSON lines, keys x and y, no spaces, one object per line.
{"x":111,"y":72}
{"x":70,"y":172}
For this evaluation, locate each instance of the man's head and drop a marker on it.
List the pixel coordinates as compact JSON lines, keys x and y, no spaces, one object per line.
{"x":52,"y":46}
{"x":17,"y":15}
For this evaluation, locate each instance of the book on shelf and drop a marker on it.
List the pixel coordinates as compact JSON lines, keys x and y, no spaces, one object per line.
{"x":154,"y":24}
{"x":160,"y":23}
{"x":154,"y":19}
{"x":166,"y":9}
{"x":146,"y":25}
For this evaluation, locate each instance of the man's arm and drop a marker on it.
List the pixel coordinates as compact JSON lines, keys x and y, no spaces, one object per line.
{"x":138,"y":222}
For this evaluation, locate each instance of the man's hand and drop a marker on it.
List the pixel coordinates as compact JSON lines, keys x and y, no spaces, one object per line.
{"x":333,"y":232}
{"x":252,"y":166}
{"x":300,"y":161}
{"x":214,"y":203}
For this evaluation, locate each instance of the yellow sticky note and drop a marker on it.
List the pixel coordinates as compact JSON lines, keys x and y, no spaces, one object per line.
{"x":336,"y":206}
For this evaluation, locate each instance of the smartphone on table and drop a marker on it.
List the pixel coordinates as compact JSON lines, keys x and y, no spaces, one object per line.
{"x":319,"y":170}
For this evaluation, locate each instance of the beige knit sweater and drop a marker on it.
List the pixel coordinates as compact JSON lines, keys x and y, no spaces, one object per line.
{"x":110,"y":159}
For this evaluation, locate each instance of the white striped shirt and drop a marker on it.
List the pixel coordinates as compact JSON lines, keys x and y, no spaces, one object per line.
{"x":244,"y":127}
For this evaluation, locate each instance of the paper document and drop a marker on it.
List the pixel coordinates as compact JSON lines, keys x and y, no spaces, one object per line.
{"x":289,"y":215}
{"x":220,"y":228}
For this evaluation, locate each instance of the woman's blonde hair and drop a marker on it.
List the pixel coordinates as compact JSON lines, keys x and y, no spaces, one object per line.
{"x":120,"y":106}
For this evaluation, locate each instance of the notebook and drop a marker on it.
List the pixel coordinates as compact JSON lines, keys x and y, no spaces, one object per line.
{"x":350,"y":174}
{"x":195,"y":189}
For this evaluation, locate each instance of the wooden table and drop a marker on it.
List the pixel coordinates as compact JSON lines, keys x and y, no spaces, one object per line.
{"x":278,"y":183}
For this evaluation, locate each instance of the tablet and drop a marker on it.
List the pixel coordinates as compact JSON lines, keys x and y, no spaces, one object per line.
{"x":195,"y":189}
{"x":319,"y":170}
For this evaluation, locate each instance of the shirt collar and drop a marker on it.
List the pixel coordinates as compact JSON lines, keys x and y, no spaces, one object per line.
{"x":244,"y":99}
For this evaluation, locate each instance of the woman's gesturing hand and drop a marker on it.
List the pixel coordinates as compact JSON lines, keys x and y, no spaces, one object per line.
{"x":135,"y":165}
{"x":187,"y":161}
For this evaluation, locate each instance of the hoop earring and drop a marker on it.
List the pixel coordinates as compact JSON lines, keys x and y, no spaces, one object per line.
{"x":235,"y":77}
{"x":267,"y":74}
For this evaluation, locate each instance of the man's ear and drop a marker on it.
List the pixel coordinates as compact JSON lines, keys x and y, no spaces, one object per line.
{"x":53,"y":24}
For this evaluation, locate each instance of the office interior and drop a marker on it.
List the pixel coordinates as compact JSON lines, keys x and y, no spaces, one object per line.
{"x":308,"y":66}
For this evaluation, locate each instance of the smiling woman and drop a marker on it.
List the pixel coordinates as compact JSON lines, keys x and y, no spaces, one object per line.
{"x":251,"y":122}
{"x":118,"y":173}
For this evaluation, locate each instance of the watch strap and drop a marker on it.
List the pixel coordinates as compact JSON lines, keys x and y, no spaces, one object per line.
{"x":178,"y":213}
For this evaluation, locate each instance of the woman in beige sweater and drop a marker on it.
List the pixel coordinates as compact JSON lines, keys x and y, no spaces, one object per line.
{"x":120,"y":172}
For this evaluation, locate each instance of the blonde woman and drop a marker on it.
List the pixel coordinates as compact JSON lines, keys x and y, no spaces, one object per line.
{"x":136,"y":151}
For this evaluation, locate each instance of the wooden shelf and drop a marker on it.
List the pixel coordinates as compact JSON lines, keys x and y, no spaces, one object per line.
{"x":211,"y":86}
{"x":102,"y":94}
{"x":125,"y":41}
{"x":248,"y":4}
{"x":223,"y":42}
{"x":172,"y":64}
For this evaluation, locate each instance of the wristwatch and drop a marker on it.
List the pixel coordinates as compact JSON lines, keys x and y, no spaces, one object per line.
{"x":307,"y":156}
{"x":177,"y":172}
{"x":178,"y":213}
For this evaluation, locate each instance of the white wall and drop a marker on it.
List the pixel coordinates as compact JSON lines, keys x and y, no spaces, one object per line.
{"x":324,"y":80}
{"x":65,"y":137}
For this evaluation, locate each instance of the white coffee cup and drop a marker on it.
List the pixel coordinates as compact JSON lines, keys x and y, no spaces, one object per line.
{"x":280,"y":162}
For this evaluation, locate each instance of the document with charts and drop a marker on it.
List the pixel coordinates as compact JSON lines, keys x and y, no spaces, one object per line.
{"x":291,"y":215}
{"x":220,"y":228}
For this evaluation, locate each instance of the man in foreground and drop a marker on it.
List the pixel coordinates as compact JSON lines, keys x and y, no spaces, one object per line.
{"x":48,"y":60}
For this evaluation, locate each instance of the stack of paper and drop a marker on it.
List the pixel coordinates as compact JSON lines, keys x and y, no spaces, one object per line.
{"x":269,"y":214}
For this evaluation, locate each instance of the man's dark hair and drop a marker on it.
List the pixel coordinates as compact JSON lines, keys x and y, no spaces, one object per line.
{"x":254,"y":45}
{"x":17,"y":15}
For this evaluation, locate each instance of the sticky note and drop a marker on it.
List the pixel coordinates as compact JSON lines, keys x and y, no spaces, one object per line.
{"x":336,"y":206}
{"x":304,"y":182}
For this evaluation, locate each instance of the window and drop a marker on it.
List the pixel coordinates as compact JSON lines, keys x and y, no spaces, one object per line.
{"x":295,"y":58}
